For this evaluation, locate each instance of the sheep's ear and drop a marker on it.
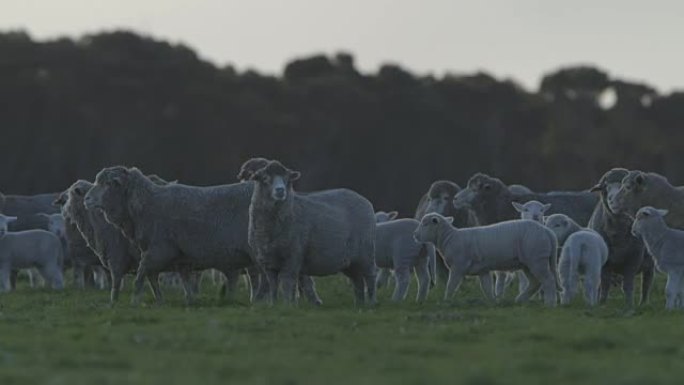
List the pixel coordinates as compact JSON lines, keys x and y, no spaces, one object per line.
{"x":61,"y":199}
{"x":596,"y":188}
{"x":518,"y":207}
{"x":640,"y":179}
{"x":449,"y":220}
{"x":545,"y":219}
{"x":662,"y":213}
{"x":546,"y":207}
{"x":294,"y":175}
{"x":392,"y":214}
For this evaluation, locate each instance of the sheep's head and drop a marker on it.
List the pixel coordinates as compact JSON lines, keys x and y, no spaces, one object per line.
{"x":561,"y":225}
{"x":55,"y":224}
{"x":75,"y":199}
{"x":440,"y":195}
{"x":430,"y":227}
{"x":481,"y":188}
{"x":4,"y":223}
{"x":250,"y":167}
{"x":631,"y":195}
{"x":382,"y":216}
{"x":647,"y":216}
{"x":276,"y":180}
{"x":109,"y":193}
{"x":532,"y":210}
{"x":609,"y":184}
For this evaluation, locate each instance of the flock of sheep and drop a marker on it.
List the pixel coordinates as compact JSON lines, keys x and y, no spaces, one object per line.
{"x":130,"y":223}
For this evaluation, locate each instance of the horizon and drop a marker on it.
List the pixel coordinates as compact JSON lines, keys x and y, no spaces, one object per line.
{"x":264,"y":36}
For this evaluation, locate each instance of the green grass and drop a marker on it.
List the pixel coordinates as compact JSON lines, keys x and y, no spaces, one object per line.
{"x":74,"y":337}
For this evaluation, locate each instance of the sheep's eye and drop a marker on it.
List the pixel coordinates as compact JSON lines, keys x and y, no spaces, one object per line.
{"x":435,"y":221}
{"x":487,"y":187}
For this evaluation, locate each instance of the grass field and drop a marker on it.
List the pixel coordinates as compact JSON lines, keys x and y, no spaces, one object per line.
{"x":74,"y":337}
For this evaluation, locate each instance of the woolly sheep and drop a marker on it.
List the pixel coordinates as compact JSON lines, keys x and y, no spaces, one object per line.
{"x":176,"y":227}
{"x":583,"y":252}
{"x":666,"y":245}
{"x":38,"y":249}
{"x":313,"y":234}
{"x":626,"y":253}
{"x":532,"y":210}
{"x":639,"y":189}
{"x":510,"y":245}
{"x":396,"y":249}
{"x":384,"y":274}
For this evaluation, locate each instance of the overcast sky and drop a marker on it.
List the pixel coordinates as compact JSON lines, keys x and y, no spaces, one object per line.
{"x":522,"y":39}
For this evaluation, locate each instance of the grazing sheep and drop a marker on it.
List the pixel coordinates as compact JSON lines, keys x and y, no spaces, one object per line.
{"x":176,"y":227}
{"x":626,"y":253}
{"x":640,"y":189}
{"x":491,"y":200}
{"x":38,"y":249}
{"x":583,"y":252}
{"x":666,"y":245}
{"x":396,"y":249}
{"x":510,"y":245}
{"x":314,"y":234}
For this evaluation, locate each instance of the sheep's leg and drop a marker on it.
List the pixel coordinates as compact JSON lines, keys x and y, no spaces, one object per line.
{"x":13,"y":279}
{"x":591,"y":288}
{"x":500,"y":289}
{"x":486,"y":285}
{"x":453,"y":282}
{"x":357,"y":281}
{"x":382,"y":278}
{"x":532,"y":288}
{"x":117,"y":282}
{"x":568,"y":280}
{"x":424,"y":282}
{"x":186,"y":281}
{"x":646,"y":283}
{"x":369,"y":279}
{"x":605,"y":286}
{"x":79,"y":275}
{"x":273,"y":285}
{"x":153,"y":281}
{"x":52,"y":274}
{"x":252,"y":275}
{"x":232,"y":278}
{"x":672,"y":288}
{"x":402,"y":275}
{"x":681,"y":290}
{"x":548,"y":281}
{"x":139,"y":283}
{"x":523,"y":282}
{"x":5,"y":280}
{"x":628,"y":288}
{"x":308,"y":288}
{"x":288,"y":283}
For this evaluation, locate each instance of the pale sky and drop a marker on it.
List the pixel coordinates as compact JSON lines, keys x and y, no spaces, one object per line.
{"x":522,"y":39}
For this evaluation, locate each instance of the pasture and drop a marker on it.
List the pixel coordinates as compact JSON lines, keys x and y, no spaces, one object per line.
{"x":75,"y":337}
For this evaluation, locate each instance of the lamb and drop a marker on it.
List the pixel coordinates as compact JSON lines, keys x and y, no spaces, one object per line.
{"x":640,"y":189}
{"x":491,"y":200}
{"x":626,"y":254}
{"x":583,"y":252}
{"x":29,"y":249}
{"x":314,"y":234}
{"x":532,"y":210}
{"x":666,"y":245}
{"x":176,"y":227}
{"x":396,"y":249}
{"x":510,"y":245}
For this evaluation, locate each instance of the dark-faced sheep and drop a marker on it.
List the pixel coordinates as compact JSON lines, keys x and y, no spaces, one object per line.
{"x":626,"y":253}
{"x":314,"y":234}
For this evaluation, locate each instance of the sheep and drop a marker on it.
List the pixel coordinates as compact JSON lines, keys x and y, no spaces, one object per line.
{"x":532,"y":210}
{"x":491,"y":201}
{"x":396,"y":249}
{"x":314,"y":234}
{"x":583,"y":252}
{"x":510,"y":245}
{"x":639,"y":189}
{"x":626,"y":254}
{"x":381,"y":216}
{"x":29,"y":249}
{"x":666,"y":245}
{"x":384,"y":274}
{"x":438,"y":200}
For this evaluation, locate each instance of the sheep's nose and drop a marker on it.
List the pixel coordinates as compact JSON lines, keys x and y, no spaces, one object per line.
{"x":280,"y":190}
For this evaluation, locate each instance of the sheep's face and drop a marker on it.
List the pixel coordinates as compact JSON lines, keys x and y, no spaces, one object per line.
{"x":646,"y":216}
{"x":532,"y":210}
{"x":109,"y":193}
{"x":610,"y":184}
{"x":251,"y":166}
{"x":560,"y":225}
{"x":628,"y":198}
{"x":440,"y":195}
{"x":4,"y":223}
{"x":56,"y":225}
{"x":382,"y":216}
{"x":481,"y":188}
{"x":276,"y":180}
{"x":75,"y":198}
{"x":430,"y":227}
